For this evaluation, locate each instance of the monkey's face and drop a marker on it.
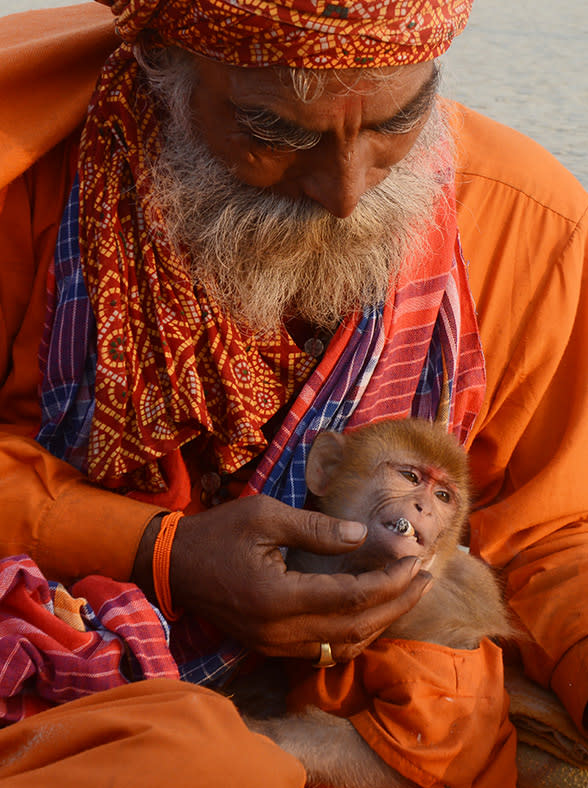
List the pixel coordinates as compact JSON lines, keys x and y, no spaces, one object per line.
{"x":407,"y":480}
{"x":409,"y":509}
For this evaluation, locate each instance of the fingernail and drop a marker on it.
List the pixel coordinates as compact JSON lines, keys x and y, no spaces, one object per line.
{"x":427,"y":587}
{"x":416,"y":567}
{"x":352,"y":532}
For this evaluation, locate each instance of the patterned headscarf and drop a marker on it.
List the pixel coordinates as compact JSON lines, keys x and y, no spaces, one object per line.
{"x":309,"y":33}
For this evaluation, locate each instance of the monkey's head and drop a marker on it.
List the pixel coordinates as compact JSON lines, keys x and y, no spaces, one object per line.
{"x":407,"y":480}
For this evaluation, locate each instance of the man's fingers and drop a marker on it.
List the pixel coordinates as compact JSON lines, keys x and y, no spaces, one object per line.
{"x":341,"y":593}
{"x":279,"y":611}
{"x":348,"y":632}
{"x":307,"y":530}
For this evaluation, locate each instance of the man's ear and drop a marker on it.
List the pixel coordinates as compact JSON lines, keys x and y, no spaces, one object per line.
{"x":324,"y":459}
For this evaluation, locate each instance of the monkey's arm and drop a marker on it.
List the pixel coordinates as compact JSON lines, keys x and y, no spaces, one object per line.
{"x":331,"y":750}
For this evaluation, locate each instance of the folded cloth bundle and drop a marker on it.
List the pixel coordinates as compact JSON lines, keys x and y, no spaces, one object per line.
{"x":558,"y":756}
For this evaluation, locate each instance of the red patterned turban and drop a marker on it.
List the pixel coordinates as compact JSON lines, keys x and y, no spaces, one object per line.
{"x":310,"y":33}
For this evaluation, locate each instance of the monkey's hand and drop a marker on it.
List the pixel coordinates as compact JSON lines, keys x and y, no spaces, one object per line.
{"x":331,"y":750}
{"x":226,"y":567}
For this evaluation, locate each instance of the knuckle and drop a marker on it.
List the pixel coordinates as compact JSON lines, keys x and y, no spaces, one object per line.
{"x":261,"y":635}
{"x":359,"y":632}
{"x":315,"y":524}
{"x":260,"y":506}
{"x":271,"y":640}
{"x":266,"y":606}
{"x":358,"y":599}
{"x":257,"y":601}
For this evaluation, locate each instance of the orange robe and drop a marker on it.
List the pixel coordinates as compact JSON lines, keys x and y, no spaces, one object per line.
{"x":524,"y":231}
{"x":152,"y":733}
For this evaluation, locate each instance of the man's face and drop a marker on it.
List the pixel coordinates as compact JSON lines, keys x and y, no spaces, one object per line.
{"x":284,"y":206}
{"x":331,"y":149}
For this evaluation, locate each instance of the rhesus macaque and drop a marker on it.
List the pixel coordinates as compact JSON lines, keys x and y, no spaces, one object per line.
{"x":408,"y":481}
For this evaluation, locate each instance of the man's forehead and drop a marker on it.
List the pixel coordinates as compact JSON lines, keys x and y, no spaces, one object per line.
{"x":378,"y":94}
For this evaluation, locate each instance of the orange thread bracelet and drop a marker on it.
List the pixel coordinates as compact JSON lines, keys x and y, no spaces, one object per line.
{"x":161,"y":561}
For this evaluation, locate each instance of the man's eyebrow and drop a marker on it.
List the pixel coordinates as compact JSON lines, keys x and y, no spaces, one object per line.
{"x":274,"y":129}
{"x":409,"y":116}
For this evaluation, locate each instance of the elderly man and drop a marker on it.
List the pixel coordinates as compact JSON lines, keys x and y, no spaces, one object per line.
{"x":254,"y":238}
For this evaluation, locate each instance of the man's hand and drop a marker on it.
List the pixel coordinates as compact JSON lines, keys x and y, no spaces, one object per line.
{"x":226,"y":567}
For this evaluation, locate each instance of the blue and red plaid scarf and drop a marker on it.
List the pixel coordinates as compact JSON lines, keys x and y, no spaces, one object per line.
{"x":371,"y":373}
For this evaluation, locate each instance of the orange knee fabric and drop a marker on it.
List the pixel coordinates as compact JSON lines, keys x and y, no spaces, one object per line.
{"x":153,"y":733}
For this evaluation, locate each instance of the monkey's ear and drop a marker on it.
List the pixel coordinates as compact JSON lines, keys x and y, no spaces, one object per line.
{"x":324,"y":459}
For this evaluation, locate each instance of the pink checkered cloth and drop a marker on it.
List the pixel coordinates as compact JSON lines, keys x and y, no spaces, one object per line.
{"x":57,"y":645}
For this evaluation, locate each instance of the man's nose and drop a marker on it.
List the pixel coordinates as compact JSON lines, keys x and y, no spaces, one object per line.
{"x":337,"y":178}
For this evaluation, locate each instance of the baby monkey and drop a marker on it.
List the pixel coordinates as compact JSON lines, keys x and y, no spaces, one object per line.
{"x":408,"y":481}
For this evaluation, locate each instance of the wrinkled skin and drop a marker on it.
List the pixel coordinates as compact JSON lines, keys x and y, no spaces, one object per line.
{"x":353,"y":155}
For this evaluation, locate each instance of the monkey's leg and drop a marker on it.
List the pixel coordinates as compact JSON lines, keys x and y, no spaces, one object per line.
{"x":331,"y":750}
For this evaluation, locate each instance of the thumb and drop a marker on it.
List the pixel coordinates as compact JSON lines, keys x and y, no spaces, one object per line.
{"x":317,"y":533}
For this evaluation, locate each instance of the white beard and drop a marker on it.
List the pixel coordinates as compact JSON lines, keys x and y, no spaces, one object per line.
{"x":262,"y":256}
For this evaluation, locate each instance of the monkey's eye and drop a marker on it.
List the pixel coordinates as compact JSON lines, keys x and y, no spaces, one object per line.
{"x":443,"y":495}
{"x":410,"y":475}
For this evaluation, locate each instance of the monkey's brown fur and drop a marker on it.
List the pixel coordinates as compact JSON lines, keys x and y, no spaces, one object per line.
{"x":362,"y":476}
{"x":465,"y":602}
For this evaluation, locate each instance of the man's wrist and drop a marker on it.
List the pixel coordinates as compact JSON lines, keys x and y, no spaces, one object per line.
{"x":142,"y":574}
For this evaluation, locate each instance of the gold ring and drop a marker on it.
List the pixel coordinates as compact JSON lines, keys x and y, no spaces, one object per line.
{"x":326,"y":658}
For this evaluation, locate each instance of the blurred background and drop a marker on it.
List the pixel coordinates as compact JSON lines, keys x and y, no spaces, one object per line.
{"x":522,"y":62}
{"x":525,"y":63}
